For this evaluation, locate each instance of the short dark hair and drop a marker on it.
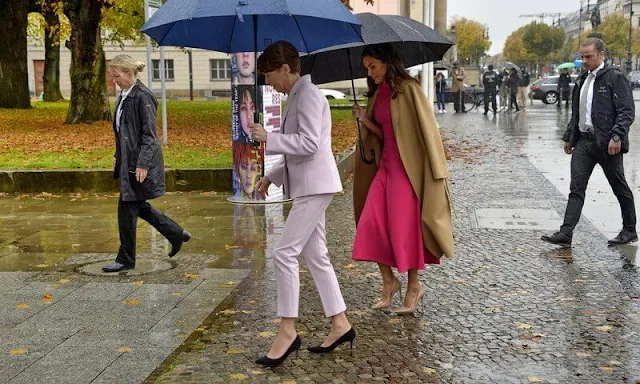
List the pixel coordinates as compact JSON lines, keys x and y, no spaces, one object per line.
{"x":491,"y":67}
{"x":277,"y":54}
{"x":596,"y":42}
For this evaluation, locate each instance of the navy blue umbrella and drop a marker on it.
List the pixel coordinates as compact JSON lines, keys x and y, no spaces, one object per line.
{"x":251,"y":25}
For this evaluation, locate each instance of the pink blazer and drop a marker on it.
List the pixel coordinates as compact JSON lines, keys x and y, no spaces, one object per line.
{"x":308,"y":167}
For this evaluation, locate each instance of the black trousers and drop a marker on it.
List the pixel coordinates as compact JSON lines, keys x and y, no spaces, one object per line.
{"x":563,"y":94}
{"x":513,"y":99}
{"x":128,"y":213}
{"x":586,"y":155}
{"x":458,"y":101}
{"x":489,"y":97}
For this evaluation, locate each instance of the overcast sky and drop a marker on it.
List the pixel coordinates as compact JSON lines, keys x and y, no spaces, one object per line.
{"x":501,"y":16}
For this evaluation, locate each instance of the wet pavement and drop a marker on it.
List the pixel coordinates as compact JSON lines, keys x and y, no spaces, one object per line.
{"x":507,"y":309}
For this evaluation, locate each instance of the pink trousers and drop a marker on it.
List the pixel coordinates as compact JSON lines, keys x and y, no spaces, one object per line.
{"x":304,"y":232}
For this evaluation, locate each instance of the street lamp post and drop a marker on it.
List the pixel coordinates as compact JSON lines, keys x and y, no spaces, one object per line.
{"x":629,"y":62}
{"x":455,"y":45}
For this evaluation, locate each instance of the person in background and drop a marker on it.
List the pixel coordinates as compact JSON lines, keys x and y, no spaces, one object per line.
{"x":523,"y":87}
{"x":490,"y":84}
{"x":457,"y":87}
{"x":138,"y":163}
{"x":503,"y":86}
{"x":441,"y":85}
{"x":513,"y":82}
{"x":564,"y":86}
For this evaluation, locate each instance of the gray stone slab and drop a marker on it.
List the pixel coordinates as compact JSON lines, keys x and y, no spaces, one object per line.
{"x":113,"y":338}
{"x":527,"y":219}
{"x":182,"y":321}
{"x":161,"y":292}
{"x":72,"y":365}
{"x":133,"y":367}
{"x":103,"y":291}
{"x":7,"y":279}
{"x":15,"y":358}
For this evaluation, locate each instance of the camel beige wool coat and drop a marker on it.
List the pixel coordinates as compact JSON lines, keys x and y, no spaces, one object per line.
{"x":422,"y":153}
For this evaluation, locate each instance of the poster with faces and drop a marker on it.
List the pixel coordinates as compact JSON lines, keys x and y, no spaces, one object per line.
{"x":249,"y":161}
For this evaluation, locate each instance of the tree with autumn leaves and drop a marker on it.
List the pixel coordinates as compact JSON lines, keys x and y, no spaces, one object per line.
{"x":471,"y":39}
{"x":534,"y":43}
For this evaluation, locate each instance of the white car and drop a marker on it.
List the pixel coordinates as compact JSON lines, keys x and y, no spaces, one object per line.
{"x":333,"y":94}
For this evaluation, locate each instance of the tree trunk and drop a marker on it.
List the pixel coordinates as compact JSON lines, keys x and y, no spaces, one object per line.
{"x":14,"y":77}
{"x":89,"y":100}
{"x":51,"y":55}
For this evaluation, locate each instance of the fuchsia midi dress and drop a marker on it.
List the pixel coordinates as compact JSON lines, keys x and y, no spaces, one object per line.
{"x":390,"y":227}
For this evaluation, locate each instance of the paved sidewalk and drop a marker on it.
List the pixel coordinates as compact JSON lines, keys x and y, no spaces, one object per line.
{"x":507,"y":309}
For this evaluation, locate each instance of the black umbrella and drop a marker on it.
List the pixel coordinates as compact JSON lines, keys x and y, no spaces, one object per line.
{"x":510,"y":65}
{"x":415,"y":43}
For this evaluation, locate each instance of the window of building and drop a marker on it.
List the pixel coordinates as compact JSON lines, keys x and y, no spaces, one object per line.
{"x":220,"y":69}
{"x":169,"y":73}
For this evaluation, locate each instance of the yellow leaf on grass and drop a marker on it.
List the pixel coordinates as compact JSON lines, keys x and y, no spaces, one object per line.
{"x":395,"y":321}
{"x":201,"y":329}
{"x":429,"y":371}
{"x":494,"y":309}
{"x":350,"y":266}
{"x":55,"y":285}
{"x":138,"y":283}
{"x":524,"y":326}
{"x":607,"y":369}
{"x":288,"y":382}
{"x":19,"y":351}
{"x":534,"y":379}
{"x":133,"y":302}
{"x":228,"y":247}
{"x":256,"y":372}
{"x":191,"y":275}
{"x":372,"y":274}
{"x":64,"y":281}
{"x":604,"y":328}
{"x":234,"y":351}
{"x":47,"y":298}
{"x":228,"y":284}
{"x":22,"y":306}
{"x":615,"y":362}
{"x":124,"y":349}
{"x":238,"y":376}
{"x":425,"y":323}
{"x":583,"y":354}
{"x":40,"y":265}
{"x":251,"y":302}
{"x":267,"y":334}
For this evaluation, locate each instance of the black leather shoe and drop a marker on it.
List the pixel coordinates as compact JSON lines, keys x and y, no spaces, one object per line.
{"x":268,"y":362}
{"x":624,"y":237}
{"x":175,"y":247}
{"x":116,"y":267}
{"x":349,"y":336}
{"x":558,"y":238}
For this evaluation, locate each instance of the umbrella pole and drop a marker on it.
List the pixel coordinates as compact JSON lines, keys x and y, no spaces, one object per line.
{"x":256,"y":115}
{"x":355,"y":101}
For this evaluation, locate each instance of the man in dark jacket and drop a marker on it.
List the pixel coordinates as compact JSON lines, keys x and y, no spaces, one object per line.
{"x":490,"y":84}
{"x":598,"y":133}
{"x":523,"y":87}
{"x":564,"y":86}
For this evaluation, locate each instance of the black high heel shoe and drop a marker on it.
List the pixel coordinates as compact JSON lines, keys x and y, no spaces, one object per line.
{"x":268,"y":362}
{"x":349,"y":336}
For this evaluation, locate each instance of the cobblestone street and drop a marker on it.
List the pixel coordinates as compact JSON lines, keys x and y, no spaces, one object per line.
{"x":507,"y":309}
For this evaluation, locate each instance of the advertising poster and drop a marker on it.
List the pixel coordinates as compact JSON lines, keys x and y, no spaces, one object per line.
{"x":249,"y":161}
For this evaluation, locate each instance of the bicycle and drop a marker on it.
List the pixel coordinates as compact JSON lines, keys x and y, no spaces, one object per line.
{"x":472,"y":99}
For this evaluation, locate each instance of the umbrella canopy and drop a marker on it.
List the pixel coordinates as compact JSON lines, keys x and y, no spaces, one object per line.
{"x":510,"y":65}
{"x":415,"y":43}
{"x":567,"y":65}
{"x":251,"y":25}
{"x":578,"y":63}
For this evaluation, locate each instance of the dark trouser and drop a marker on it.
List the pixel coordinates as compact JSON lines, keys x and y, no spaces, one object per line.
{"x":441,"y":101}
{"x":458,"y":101}
{"x":513,"y":99}
{"x":489,"y":97}
{"x":586,"y":155}
{"x":128,"y":213}
{"x":563,"y":95}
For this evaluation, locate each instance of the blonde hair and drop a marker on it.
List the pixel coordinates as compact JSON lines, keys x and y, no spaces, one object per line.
{"x":127,"y":62}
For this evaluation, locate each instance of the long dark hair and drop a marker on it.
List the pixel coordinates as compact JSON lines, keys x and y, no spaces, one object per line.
{"x":396,"y":73}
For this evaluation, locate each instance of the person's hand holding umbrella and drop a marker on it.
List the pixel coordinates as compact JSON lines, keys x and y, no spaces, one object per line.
{"x":360,"y":114}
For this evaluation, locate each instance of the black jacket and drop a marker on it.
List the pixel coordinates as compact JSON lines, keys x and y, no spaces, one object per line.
{"x":490,"y":81}
{"x":137,"y":146}
{"x":525,"y":80}
{"x":612,"y":109}
{"x":564,"y":81}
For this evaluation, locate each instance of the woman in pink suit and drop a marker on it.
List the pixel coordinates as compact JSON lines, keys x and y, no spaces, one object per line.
{"x":310,"y":177}
{"x":406,"y":220}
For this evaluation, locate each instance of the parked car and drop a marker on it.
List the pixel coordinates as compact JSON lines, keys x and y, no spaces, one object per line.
{"x":546,"y":89}
{"x":333,"y":94}
{"x":634,"y":79}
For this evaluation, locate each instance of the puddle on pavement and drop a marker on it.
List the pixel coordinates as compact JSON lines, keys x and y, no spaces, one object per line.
{"x":46,"y":232}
